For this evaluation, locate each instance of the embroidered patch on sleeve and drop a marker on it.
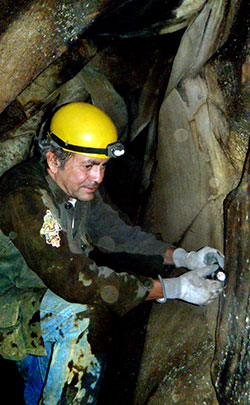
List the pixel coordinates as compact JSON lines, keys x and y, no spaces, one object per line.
{"x":50,"y":229}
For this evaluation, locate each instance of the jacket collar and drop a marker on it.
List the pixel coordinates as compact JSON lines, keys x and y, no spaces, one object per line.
{"x":59,"y":195}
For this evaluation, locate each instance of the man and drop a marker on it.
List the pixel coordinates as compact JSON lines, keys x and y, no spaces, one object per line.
{"x":55,"y":301}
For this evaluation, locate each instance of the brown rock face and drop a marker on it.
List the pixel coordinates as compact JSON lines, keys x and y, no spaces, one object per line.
{"x":38,"y":34}
{"x":231,"y":365}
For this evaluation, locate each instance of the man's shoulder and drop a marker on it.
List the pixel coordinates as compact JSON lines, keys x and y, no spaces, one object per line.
{"x":26,"y":174}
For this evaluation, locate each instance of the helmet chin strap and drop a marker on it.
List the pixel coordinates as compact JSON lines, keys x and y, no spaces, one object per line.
{"x":115,"y":149}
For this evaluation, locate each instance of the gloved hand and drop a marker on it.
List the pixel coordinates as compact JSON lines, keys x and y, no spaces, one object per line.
{"x":192,"y":286}
{"x":201,"y":258}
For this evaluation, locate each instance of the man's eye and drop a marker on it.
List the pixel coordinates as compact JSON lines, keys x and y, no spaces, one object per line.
{"x":88,"y":167}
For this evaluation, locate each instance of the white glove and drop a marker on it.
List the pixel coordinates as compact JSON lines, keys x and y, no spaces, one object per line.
{"x":201,"y":258}
{"x":192,"y":286}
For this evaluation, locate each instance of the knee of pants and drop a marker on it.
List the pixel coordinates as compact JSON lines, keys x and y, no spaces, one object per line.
{"x":61,"y":319}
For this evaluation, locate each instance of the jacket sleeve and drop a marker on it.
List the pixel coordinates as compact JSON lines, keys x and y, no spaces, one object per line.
{"x":109,"y":231}
{"x":73,"y":277}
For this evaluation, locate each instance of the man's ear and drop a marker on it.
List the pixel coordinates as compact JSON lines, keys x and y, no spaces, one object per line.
{"x":52,"y":161}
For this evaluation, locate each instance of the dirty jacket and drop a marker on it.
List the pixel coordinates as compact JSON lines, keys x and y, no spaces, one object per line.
{"x":45,"y":242}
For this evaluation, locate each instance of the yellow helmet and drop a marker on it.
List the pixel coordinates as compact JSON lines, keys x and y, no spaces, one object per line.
{"x":85,"y":129}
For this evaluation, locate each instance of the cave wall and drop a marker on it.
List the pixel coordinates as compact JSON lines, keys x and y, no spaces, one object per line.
{"x":197,"y":165}
{"x":202,"y":147}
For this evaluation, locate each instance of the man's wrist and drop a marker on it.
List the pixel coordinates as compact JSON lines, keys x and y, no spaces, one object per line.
{"x":171,"y":288}
{"x":168,"y":257}
{"x":164,"y":293}
{"x":156,"y":292}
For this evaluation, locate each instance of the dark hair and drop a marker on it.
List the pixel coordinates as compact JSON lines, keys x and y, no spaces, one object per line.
{"x":47,"y":144}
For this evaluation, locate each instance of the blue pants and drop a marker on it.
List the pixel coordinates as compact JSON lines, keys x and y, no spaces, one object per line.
{"x":70,"y":373}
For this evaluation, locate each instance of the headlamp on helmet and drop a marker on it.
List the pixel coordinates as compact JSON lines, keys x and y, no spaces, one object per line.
{"x":114,"y":150}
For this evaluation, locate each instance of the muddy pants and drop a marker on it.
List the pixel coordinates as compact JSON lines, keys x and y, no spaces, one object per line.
{"x":70,"y":373}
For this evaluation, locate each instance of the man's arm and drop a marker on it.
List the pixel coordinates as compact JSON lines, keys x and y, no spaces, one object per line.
{"x":108,"y":231}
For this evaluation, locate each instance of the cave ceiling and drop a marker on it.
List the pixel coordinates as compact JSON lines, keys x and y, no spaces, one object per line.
{"x":63,"y":36}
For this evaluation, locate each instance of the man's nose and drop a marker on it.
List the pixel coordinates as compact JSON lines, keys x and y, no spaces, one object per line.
{"x":97,"y":174}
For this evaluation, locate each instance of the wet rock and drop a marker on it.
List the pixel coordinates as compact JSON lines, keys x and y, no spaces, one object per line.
{"x":231,"y":365}
{"x":204,"y":35}
{"x":192,"y":166}
{"x":13,"y":151}
{"x":38,"y":34}
{"x":177,"y":356}
{"x":195,"y":170}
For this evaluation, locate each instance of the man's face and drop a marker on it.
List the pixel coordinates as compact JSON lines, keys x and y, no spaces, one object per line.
{"x":80,"y":176}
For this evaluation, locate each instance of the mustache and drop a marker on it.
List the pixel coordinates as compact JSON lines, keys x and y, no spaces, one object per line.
{"x":90,"y":185}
